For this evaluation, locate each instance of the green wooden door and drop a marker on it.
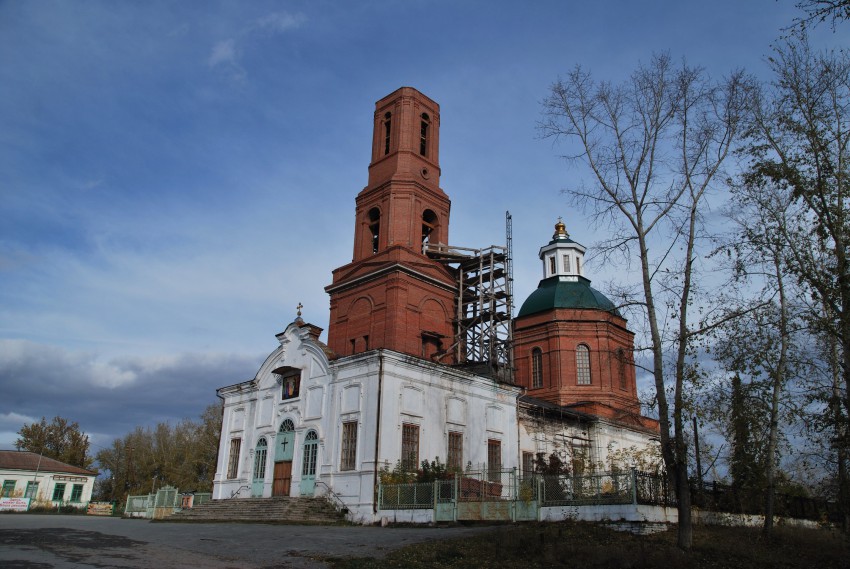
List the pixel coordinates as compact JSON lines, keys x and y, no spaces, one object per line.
{"x":285,"y":444}
{"x":308,"y":467}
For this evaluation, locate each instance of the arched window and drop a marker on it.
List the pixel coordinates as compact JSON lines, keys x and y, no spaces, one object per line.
{"x":287,"y":426}
{"x":260,"y":459}
{"x":429,"y":222}
{"x":423,"y":134}
{"x":387,"y":129}
{"x":310,"y":447}
{"x":375,"y":227}
{"x":536,"y":368}
{"x":582,"y":365}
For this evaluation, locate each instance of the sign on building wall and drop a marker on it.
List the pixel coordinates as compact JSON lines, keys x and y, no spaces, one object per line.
{"x":15,"y":504}
{"x":100,"y":508}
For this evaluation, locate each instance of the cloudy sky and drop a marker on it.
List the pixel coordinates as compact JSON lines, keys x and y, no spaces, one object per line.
{"x":175,"y":177}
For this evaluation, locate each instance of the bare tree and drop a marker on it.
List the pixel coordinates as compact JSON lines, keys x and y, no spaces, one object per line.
{"x":819,"y":11}
{"x":765,"y":215}
{"x":654,"y":145}
{"x":801,"y":145}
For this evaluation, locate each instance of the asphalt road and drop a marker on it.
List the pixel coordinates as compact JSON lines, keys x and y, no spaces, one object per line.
{"x":29,"y":541}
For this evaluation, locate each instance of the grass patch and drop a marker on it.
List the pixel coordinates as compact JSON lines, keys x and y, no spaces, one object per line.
{"x":585,"y":545}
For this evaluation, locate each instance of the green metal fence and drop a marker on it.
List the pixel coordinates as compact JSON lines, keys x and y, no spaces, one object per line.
{"x":166,"y":501}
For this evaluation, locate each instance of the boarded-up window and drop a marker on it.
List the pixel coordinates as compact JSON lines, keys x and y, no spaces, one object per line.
{"x":233,"y":458}
{"x":455,"y":454}
{"x":527,"y":463}
{"x":494,"y":460}
{"x":410,"y":447}
{"x":349,"y":446}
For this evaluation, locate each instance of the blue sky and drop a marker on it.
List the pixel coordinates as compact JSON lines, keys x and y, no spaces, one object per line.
{"x":176,"y":176}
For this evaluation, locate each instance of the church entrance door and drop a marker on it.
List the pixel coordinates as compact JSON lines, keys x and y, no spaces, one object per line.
{"x":283,"y":453}
{"x":308,"y":470}
{"x":282,"y":478}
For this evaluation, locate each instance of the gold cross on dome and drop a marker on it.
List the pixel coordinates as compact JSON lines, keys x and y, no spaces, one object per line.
{"x":299,"y":307}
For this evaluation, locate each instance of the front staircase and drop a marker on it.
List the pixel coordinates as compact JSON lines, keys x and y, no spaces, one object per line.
{"x":277,"y":510}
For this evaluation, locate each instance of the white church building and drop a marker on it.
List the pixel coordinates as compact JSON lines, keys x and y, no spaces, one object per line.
{"x":417,"y":367}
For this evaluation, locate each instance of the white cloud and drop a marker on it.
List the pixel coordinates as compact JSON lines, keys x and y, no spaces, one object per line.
{"x":281,"y":21}
{"x":223,"y":53}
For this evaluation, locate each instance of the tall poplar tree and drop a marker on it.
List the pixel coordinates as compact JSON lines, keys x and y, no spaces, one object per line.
{"x":654,"y":146}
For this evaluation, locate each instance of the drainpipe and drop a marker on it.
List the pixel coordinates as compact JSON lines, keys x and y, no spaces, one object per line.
{"x":378,"y":431}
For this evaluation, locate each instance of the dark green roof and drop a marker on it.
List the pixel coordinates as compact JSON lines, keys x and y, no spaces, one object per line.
{"x":554,"y":293}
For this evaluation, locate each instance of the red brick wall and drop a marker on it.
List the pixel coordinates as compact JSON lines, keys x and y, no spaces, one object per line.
{"x":557,"y":333}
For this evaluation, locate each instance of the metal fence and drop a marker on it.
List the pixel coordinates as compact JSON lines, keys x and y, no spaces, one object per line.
{"x":479,"y":486}
{"x":606,"y":488}
{"x":726,"y":498}
{"x":630,"y":487}
{"x":166,"y":500}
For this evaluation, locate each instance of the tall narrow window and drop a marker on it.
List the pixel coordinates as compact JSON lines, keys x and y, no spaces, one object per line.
{"x":32,"y":490}
{"x":260,"y":455}
{"x":410,"y":447}
{"x":621,"y":367}
{"x":423,"y":135}
{"x":375,"y":227}
{"x":566,"y":263}
{"x":527,"y":464}
{"x":578,"y":265}
{"x":233,"y":458}
{"x":311,"y":448}
{"x":582,"y":365}
{"x":552,"y":268}
{"x":455,"y":454}
{"x":387,"y":129}
{"x":349,"y":446}
{"x":494,"y":460}
{"x":536,"y":368}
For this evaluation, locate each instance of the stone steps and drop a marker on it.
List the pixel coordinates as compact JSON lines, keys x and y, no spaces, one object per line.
{"x":263,"y":510}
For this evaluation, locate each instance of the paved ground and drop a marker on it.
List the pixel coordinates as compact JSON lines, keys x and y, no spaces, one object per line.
{"x":29,"y":541}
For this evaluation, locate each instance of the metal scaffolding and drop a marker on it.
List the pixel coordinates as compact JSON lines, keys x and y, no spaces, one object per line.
{"x":483,"y":306}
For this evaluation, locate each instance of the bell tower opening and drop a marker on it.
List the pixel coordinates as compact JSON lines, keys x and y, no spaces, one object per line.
{"x":375,"y":227}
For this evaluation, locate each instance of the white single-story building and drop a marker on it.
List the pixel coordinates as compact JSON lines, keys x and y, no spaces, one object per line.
{"x":44,"y":481}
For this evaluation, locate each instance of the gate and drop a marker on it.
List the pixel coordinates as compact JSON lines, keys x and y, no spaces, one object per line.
{"x":487,"y":495}
{"x":494,"y":495}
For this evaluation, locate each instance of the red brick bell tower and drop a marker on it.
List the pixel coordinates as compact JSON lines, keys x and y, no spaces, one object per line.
{"x":392,"y":295}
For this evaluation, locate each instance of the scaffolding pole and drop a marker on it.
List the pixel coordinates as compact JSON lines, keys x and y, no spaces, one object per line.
{"x":483,"y":306}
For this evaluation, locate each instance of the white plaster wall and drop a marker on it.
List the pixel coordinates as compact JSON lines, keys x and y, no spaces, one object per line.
{"x":46,"y":483}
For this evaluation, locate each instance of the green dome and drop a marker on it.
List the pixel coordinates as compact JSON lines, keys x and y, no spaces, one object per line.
{"x":555,"y":293}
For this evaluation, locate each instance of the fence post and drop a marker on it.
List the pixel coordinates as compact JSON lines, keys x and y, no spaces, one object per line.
{"x":634,"y":486}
